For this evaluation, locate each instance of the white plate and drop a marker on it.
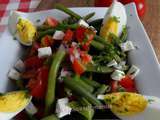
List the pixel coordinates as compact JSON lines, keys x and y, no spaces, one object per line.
{"x":148,"y":81}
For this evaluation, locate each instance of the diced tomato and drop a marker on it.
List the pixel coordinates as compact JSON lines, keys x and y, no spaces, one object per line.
{"x":86,"y":58}
{"x":46,"y":41}
{"x":86,"y":44}
{"x":29,"y":74}
{"x":71,"y":51}
{"x":114,"y":86}
{"x":68,"y":35}
{"x":51,"y":21}
{"x":34,"y":49}
{"x":80,"y":33}
{"x":78,"y":67}
{"x":38,"y":86}
{"x":33,"y":62}
{"x":128,"y":83}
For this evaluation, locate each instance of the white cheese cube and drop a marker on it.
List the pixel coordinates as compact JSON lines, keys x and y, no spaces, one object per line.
{"x":100,"y":97}
{"x":64,"y":73}
{"x":58,"y":35}
{"x":13,"y":74}
{"x":20,"y":65}
{"x":127,"y":46}
{"x":62,"y":109}
{"x":31,"y":109}
{"x":112,"y":63}
{"x":44,"y":52}
{"x":117,"y":75}
{"x":120,"y":65}
{"x":83,"y":23}
{"x":133,"y":71}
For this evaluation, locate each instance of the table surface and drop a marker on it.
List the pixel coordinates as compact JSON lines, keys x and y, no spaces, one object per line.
{"x":151,"y":19}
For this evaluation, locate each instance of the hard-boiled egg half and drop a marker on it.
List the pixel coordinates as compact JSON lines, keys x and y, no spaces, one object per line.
{"x":125,"y":103}
{"x":12,"y":103}
{"x":114,"y":21}
{"x":21,"y":28}
{"x":26,"y":31}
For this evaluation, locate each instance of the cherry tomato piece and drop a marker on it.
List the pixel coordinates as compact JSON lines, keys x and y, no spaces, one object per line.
{"x":68,"y":35}
{"x":51,"y":21}
{"x":78,"y":67}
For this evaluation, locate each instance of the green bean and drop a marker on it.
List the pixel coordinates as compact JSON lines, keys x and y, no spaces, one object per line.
{"x":97,"y":45}
{"x":66,"y":26}
{"x":67,"y":11}
{"x":88,"y":16}
{"x":98,"y":69}
{"x":51,"y":117}
{"x":124,"y":34}
{"x":84,"y":85}
{"x":77,"y":89}
{"x":50,"y":94}
{"x":47,"y":32}
{"x":101,"y":90}
{"x":43,"y":27}
{"x":50,"y":31}
{"x":91,"y":82}
{"x":100,"y":39}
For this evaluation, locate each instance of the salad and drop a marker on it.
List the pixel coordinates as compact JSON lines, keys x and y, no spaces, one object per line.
{"x":74,"y":67}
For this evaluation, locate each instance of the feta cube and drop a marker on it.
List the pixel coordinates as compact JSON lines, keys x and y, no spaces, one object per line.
{"x":117,"y":75}
{"x":13,"y":74}
{"x":121,"y":65}
{"x":58,"y":35}
{"x":83,"y":23}
{"x":62,"y":109}
{"x":112,"y":63}
{"x":133,"y":71}
{"x":20,"y":65}
{"x":31,"y":109}
{"x":64,"y":73}
{"x":100,"y":97}
{"x":127,"y":46}
{"x":44,"y":52}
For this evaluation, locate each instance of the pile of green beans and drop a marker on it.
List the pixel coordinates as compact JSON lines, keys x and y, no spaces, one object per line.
{"x":50,"y":95}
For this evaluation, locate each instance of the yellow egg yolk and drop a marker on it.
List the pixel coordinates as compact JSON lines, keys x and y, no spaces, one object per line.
{"x":14,"y":101}
{"x":125,"y":103}
{"x":26,"y":31}
{"x":109,"y":26}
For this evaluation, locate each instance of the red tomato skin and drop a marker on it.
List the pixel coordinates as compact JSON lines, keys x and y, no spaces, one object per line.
{"x":141,"y":7}
{"x":86,"y":58}
{"x":34,"y":49}
{"x":38,"y":86}
{"x":51,"y":21}
{"x":114,"y":86}
{"x":103,"y":3}
{"x":86,"y":45}
{"x":68,"y":35}
{"x":33,"y":62}
{"x":78,"y":67}
{"x":80,"y":33}
{"x":46,"y":41}
{"x":128,"y":84}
